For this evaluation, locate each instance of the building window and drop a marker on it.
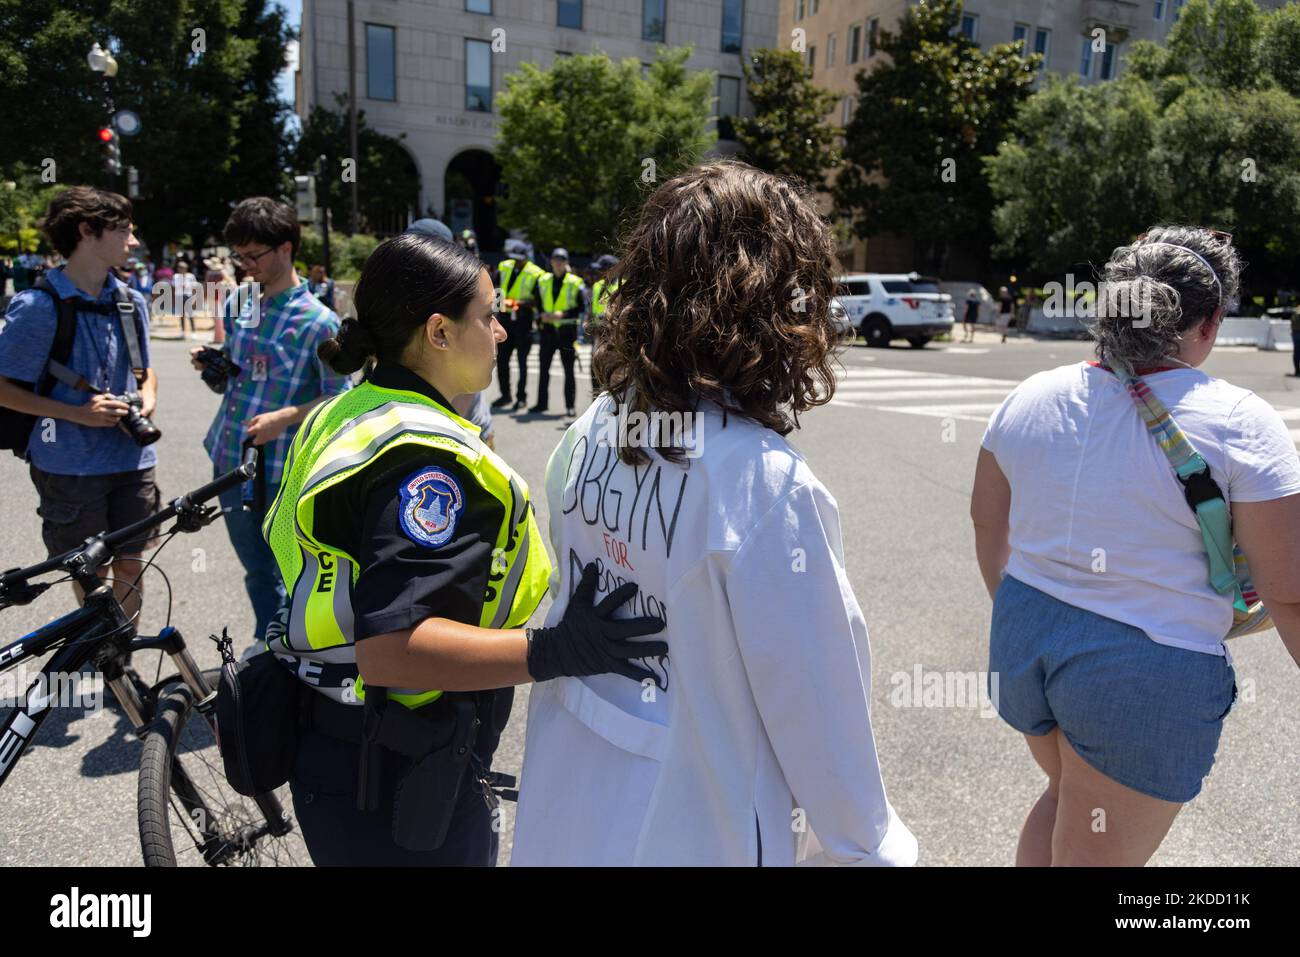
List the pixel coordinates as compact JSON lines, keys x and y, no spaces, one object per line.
{"x":830,"y":50}
{"x":812,"y":58}
{"x":1108,"y":62}
{"x":855,"y":42}
{"x":1085,"y":58}
{"x":728,"y":105}
{"x":478,"y":76}
{"x":478,"y":6}
{"x":873,"y":31}
{"x":798,"y":10}
{"x":1178,"y":7}
{"x":733,"y":25}
{"x":1159,"y":12}
{"x":1042,"y":42}
{"x":1019,"y":34}
{"x":812,"y":6}
{"x":652,"y":20}
{"x":846,"y":111}
{"x":381,"y":64}
{"x":970,"y":26}
{"x":570,"y":14}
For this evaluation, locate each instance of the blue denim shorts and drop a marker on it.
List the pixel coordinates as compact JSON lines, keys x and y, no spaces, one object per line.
{"x":1144,"y":714}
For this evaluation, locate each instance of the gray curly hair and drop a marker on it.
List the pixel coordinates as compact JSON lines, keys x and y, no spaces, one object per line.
{"x":1169,"y":287}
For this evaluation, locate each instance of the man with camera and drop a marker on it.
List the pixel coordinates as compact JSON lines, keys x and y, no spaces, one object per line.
{"x":270,"y":379}
{"x":76,"y":387}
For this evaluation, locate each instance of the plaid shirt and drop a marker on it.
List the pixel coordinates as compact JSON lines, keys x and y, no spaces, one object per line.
{"x":274,"y":342}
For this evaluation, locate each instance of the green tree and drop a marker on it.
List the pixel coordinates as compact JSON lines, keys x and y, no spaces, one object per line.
{"x":924,"y":122}
{"x":200,"y":74}
{"x":23,"y":201}
{"x":388,"y":183}
{"x":787,"y":133}
{"x":582,"y":141}
{"x":1203,"y":130}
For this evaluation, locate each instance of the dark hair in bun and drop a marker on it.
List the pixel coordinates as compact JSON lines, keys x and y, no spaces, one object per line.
{"x":405,"y":280}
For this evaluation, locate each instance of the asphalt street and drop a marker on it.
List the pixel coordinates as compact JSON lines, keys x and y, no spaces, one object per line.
{"x":897,"y":449}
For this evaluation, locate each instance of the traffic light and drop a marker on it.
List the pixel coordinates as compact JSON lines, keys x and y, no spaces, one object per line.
{"x":112,"y":150}
{"x":304,"y":196}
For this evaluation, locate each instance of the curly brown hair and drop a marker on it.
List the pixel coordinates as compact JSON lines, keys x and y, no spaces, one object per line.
{"x":723,"y":293}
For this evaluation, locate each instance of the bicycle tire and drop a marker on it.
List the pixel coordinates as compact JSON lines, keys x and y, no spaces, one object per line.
{"x":223,"y":835}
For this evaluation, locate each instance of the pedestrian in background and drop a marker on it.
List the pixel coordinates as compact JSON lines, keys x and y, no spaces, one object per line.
{"x":272,"y":336}
{"x":321,"y":286}
{"x":1006,"y":310}
{"x":1107,"y":634}
{"x":972,"y":314}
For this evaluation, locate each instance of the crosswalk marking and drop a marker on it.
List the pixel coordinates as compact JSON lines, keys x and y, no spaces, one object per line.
{"x":912,"y":392}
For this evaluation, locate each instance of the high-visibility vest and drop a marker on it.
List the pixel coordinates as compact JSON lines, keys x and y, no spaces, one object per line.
{"x":341,"y":438}
{"x":561,"y":300}
{"x":518,"y":286}
{"x":600,"y":291}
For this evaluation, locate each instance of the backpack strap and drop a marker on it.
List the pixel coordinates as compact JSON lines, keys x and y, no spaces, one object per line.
{"x":1228,"y":570}
{"x":128,"y":318}
{"x":65,"y":331}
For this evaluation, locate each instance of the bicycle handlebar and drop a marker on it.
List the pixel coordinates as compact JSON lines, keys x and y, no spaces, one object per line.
{"x":97,"y":550}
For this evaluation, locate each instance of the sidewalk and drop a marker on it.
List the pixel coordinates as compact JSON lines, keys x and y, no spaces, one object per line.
{"x":169,"y":327}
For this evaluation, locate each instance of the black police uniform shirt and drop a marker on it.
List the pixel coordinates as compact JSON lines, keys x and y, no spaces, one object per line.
{"x":404,"y":579}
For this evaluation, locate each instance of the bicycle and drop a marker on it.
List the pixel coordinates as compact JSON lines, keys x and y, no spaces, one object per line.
{"x":180,"y":767}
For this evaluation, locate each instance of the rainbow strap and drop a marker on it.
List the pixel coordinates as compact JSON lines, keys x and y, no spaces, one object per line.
{"x":1228,"y":569}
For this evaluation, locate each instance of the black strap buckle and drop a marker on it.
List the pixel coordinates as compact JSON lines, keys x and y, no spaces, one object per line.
{"x":1200,"y":487}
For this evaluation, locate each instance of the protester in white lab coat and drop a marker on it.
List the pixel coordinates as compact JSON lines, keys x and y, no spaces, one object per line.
{"x":754,"y":745}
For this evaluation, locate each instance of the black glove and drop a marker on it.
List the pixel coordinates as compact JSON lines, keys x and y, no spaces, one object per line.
{"x":588,"y":641}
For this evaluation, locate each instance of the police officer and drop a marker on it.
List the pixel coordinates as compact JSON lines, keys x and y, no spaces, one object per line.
{"x":516,"y":279}
{"x":414,"y":559}
{"x":559,"y":304}
{"x":598,"y":302}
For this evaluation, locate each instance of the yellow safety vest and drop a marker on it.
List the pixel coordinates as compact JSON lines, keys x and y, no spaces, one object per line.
{"x":560,"y":300}
{"x":524,"y":282}
{"x":341,"y":438}
{"x":600,"y":291}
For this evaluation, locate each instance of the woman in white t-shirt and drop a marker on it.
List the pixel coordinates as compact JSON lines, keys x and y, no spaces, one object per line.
{"x":1107,"y":636}
{"x":754,"y":744}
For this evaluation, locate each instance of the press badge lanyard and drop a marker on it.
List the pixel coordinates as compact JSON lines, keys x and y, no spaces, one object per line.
{"x":126,"y":322}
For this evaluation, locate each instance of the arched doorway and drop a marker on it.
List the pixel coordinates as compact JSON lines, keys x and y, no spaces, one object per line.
{"x":473,"y":182}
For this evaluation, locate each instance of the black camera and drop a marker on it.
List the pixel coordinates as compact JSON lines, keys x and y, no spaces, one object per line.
{"x":218,"y":369}
{"x":139,"y":427}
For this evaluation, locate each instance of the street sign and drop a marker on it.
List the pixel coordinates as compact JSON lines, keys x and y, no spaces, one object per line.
{"x":304,"y":196}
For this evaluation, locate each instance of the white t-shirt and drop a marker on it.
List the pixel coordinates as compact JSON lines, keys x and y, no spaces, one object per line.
{"x":762,"y":740}
{"x":1098,"y":519}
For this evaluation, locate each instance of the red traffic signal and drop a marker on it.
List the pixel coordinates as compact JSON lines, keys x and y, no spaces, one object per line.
{"x":105,"y":134}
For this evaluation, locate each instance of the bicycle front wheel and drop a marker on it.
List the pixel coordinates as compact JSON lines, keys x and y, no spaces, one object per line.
{"x":189,"y":814}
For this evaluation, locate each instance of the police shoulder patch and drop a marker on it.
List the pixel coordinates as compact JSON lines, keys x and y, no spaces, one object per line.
{"x":431,"y":505}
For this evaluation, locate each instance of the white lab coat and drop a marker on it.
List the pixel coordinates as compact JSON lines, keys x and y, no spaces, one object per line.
{"x":761,"y":748}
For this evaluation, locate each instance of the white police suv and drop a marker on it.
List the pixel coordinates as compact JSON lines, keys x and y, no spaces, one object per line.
{"x":888,"y":306}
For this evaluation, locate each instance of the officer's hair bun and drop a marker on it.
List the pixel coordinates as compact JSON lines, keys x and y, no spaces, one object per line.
{"x":348,"y":351}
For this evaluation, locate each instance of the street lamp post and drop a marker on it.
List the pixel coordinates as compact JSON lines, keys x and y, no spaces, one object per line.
{"x":103,"y":63}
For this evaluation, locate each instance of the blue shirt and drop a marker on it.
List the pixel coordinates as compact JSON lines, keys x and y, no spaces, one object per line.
{"x":99,"y":353}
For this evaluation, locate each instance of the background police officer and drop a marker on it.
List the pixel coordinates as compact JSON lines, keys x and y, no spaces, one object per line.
{"x":559,"y":305}
{"x":414,"y":559}
{"x":516,"y":281}
{"x":597,"y":302}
